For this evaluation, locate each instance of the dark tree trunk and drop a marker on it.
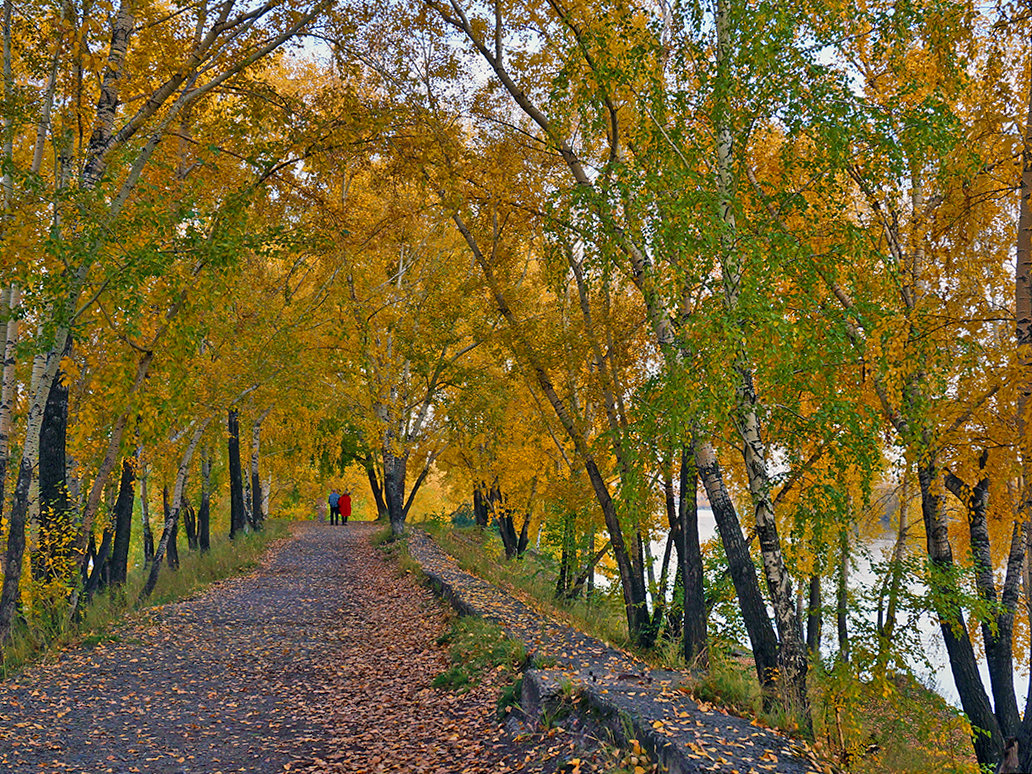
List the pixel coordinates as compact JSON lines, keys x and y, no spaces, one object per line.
{"x":1001,"y":653}
{"x":814,"y":616}
{"x":414,"y":489}
{"x":521,"y":544}
{"x":88,"y":557}
{"x":172,"y":551}
{"x":591,"y":569}
{"x":123,"y":523}
{"x":675,"y":538}
{"x":998,"y":631}
{"x":480,"y":509}
{"x":257,"y":517}
{"x":204,"y":511}
{"x":506,"y":528}
{"x":377,"y":490}
{"x":172,"y":554}
{"x":237,"y":515}
{"x":394,"y":488}
{"x":690,"y":564}
{"x":148,"y":533}
{"x":637,"y":556}
{"x":581,"y":582}
{"x":743,"y":573}
{"x":567,"y":556}
{"x":100,"y":575}
{"x":988,"y":742}
{"x":189,"y":524}
{"x":54,"y":556}
{"x":507,"y":531}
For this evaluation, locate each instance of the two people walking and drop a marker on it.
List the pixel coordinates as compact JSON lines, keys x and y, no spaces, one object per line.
{"x":340,"y":506}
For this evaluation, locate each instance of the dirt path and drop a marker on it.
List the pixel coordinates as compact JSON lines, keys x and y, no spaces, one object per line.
{"x":319,"y":660}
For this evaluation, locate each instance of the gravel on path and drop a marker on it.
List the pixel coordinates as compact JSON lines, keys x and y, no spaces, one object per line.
{"x":320,"y":660}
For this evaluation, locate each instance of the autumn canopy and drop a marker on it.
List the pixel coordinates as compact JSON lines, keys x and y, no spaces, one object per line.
{"x":571,"y":270}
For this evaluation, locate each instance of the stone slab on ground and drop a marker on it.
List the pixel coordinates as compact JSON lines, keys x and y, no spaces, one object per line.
{"x":621,"y":691}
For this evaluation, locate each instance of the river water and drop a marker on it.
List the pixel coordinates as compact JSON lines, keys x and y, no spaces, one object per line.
{"x":930,"y":665}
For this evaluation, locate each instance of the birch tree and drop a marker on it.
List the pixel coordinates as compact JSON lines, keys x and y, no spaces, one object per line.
{"x":96,"y":176}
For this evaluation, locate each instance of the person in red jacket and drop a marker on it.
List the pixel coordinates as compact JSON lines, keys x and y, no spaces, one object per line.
{"x":344,"y":506}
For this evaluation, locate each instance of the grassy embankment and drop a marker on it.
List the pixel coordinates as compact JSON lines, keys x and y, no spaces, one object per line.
{"x":43,"y":632}
{"x":480,"y":649}
{"x":876,"y":727}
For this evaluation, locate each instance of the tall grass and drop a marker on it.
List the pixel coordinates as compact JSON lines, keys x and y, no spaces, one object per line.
{"x":47,"y":631}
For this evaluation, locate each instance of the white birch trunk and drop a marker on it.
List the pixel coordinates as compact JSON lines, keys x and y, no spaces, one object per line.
{"x":256,"y":436}
{"x":1023,"y":342}
{"x":265,"y":494}
{"x":39,"y":364}
{"x":15,"y":551}
{"x":792,"y":647}
{"x":9,"y":304}
{"x":13,"y":297}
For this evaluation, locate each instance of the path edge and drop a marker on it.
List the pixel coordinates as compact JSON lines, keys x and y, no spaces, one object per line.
{"x":542,"y":692}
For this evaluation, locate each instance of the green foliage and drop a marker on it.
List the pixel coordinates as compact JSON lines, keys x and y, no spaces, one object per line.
{"x":887,"y":725}
{"x":725,"y":617}
{"x":476,"y":646}
{"x":340,"y":445}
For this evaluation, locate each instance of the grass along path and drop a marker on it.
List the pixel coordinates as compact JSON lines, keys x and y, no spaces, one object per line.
{"x":109,"y":610}
{"x":320,"y":660}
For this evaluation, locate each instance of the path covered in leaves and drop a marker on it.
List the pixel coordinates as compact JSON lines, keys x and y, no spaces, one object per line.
{"x":687,"y":735}
{"x":318,"y":661}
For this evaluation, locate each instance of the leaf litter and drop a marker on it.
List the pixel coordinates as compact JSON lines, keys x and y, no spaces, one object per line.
{"x":319,"y":660}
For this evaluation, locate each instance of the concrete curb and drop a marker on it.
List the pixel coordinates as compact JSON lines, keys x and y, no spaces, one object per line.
{"x":618,"y":694}
{"x":543,"y":692}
